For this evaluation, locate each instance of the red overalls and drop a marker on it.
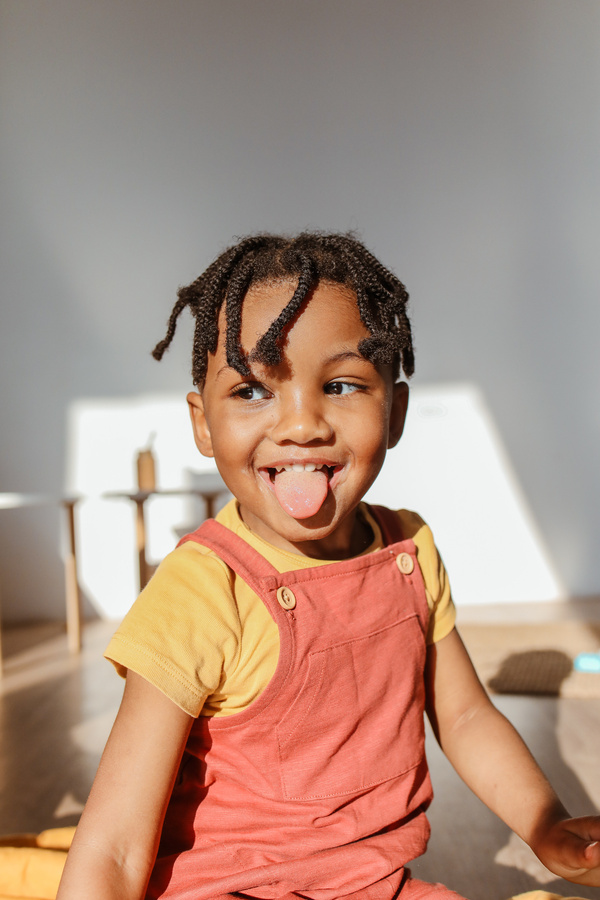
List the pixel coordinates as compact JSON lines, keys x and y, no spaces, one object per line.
{"x":319,"y":788}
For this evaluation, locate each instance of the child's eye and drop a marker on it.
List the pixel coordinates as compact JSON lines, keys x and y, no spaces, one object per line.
{"x":251,"y":392}
{"x":342,"y":387}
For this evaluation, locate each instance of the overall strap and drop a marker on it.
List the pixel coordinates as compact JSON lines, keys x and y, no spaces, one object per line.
{"x":251,"y":566}
{"x":389,"y":522}
{"x":245,"y":561}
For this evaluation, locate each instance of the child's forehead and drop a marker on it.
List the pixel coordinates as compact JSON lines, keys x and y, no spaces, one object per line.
{"x":329,"y":314}
{"x":265,"y":300}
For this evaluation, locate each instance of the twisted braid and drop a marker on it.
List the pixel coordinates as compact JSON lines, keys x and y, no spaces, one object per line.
{"x":238,"y":285}
{"x":266,"y":350}
{"x":309,"y":257}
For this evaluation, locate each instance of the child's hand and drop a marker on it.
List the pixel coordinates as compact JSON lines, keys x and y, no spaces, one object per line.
{"x":571,"y":849}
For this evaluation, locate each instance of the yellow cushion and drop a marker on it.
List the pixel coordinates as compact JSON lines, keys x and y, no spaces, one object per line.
{"x":537,"y":895}
{"x":6,"y":897}
{"x":30,"y":872}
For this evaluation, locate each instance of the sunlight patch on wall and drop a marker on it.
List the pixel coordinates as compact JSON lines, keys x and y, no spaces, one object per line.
{"x":451,"y":467}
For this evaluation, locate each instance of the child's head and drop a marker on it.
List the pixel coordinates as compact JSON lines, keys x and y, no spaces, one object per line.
{"x":307,"y":259}
{"x":297,"y":349}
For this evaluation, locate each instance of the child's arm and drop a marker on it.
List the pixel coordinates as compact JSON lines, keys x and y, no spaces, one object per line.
{"x":117,"y":839}
{"x":491,"y":758}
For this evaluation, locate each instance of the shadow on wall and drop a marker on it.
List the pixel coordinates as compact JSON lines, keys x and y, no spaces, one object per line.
{"x":449,"y":466}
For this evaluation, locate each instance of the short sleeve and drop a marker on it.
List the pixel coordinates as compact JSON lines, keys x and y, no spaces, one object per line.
{"x":437,"y":586}
{"x":183,"y":631}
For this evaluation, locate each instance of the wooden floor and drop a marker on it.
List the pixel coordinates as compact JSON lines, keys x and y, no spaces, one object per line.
{"x":56,"y":712}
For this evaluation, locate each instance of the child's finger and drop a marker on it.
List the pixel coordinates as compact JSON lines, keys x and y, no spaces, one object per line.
{"x":579,"y":860}
{"x":591,"y":853}
{"x":586,"y":829}
{"x":581,"y":852}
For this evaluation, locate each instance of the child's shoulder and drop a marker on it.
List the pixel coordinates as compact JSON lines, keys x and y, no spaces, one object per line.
{"x":191,"y":555}
{"x":186,"y":562}
{"x":435,"y":577}
{"x":416,"y":528}
{"x":184,"y":629}
{"x":412,"y":526}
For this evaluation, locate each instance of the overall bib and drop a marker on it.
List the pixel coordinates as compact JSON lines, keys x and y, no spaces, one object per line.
{"x":319,"y":788}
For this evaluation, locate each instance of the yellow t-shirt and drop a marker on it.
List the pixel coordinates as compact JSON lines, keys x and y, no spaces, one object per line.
{"x":202,"y":636}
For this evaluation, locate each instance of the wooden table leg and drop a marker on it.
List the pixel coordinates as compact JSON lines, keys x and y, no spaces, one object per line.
{"x":140,"y":538}
{"x":73,"y":597}
{"x":1,"y":665}
{"x":210,"y":500}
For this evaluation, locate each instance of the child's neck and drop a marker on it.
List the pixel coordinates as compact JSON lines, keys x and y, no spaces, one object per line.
{"x":336,"y":546}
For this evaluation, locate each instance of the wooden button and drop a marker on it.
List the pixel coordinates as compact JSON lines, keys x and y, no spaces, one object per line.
{"x":405,"y":563}
{"x":286,"y":598}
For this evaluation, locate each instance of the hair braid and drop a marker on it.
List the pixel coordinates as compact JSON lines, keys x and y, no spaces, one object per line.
{"x":238,"y":285}
{"x":308,"y":258}
{"x":267,"y":351}
{"x":163,"y":345}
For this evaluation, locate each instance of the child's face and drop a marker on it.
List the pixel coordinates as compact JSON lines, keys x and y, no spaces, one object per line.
{"x":324,"y":405}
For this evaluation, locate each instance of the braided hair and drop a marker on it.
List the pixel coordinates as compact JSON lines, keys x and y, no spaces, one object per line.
{"x":307,"y":259}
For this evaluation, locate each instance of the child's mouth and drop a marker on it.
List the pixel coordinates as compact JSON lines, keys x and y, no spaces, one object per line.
{"x":301,"y":488}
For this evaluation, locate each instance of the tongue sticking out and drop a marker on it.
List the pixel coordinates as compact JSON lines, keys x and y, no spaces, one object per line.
{"x":301,"y":494}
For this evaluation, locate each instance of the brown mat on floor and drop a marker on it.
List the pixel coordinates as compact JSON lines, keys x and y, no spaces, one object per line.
{"x":532,"y":672}
{"x":534,"y":658}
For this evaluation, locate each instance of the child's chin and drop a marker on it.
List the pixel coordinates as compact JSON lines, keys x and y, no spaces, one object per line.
{"x":311,"y":528}
{"x":314,"y":528}
{"x":323,"y":518}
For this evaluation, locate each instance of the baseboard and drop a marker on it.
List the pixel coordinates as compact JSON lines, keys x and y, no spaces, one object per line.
{"x":583,"y":609}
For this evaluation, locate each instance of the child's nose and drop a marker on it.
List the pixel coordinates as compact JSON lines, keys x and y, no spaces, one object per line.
{"x":300,"y":423}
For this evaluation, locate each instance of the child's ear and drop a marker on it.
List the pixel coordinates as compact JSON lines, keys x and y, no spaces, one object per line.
{"x":398,"y":412}
{"x":199,"y":423}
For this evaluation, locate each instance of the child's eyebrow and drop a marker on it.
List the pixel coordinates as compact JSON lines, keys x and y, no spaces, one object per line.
{"x":223,"y":371}
{"x":330,"y":360}
{"x":347,"y":354}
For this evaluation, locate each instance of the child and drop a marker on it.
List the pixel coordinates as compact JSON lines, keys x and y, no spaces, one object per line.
{"x":270,"y":742}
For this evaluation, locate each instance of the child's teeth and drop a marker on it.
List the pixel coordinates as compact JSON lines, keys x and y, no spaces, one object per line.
{"x":298,"y":467}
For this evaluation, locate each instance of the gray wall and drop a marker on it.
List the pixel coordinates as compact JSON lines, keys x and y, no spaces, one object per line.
{"x":460,"y":137}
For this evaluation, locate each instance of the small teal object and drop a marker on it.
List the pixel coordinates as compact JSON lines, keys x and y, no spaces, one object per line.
{"x":587,"y":662}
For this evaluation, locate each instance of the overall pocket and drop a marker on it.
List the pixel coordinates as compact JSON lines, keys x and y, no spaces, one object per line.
{"x":357,"y":719}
